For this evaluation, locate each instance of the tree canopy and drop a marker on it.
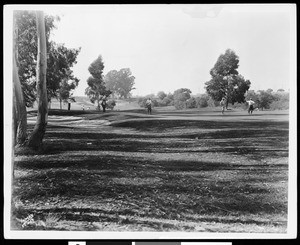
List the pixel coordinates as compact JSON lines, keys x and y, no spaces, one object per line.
{"x":226,"y":65}
{"x":265,"y":98}
{"x":60,"y":77}
{"x":161,"y":95}
{"x":59,"y":58}
{"x":120,"y":82}
{"x":181,"y":96}
{"x":96,"y":89}
{"x":226,"y":81}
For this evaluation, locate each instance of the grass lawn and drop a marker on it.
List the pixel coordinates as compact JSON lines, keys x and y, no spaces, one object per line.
{"x":171,"y":171}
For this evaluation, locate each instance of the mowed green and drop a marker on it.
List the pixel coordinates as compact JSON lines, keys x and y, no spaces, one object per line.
{"x":187,"y":171}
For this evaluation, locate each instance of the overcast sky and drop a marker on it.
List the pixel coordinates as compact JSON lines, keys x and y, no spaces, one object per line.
{"x":173,"y":46}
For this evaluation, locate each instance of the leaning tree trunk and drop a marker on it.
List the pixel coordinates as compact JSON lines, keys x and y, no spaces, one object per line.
{"x":227,"y":102}
{"x":19,"y":107}
{"x":36,"y":137}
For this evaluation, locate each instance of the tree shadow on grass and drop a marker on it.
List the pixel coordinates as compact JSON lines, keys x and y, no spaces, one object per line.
{"x":256,"y":144}
{"x":102,"y":177}
{"x":63,"y":139}
{"x":114,"y":163}
{"x":160,"y":125}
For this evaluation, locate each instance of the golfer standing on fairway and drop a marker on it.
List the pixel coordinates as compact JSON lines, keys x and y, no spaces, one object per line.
{"x":250,"y":103}
{"x":103,"y":103}
{"x":223,"y":104}
{"x":149,"y":104}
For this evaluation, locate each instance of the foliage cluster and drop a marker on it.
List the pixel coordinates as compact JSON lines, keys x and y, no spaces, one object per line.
{"x":115,"y":83}
{"x":111,"y":104}
{"x":268,"y":99}
{"x":60,"y":59}
{"x":120,"y":82}
{"x":182,"y":99}
{"x":226,"y":80}
{"x":96,"y":89}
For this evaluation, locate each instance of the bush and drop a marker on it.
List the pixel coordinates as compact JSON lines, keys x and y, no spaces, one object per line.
{"x":202,"y":101}
{"x":279,"y":105}
{"x":242,"y":106}
{"x":170,"y":96}
{"x":191,"y":103}
{"x":155,"y":103}
{"x":161,"y":103}
{"x":181,"y":96}
{"x":111,"y":104}
{"x":212,"y":103}
{"x":265,"y":98}
{"x":167,"y":101}
{"x":161,"y":95}
{"x":142,"y":102}
{"x":179,"y":105}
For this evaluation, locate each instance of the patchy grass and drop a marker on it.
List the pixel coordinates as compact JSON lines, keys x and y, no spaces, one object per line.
{"x":165,"y":172}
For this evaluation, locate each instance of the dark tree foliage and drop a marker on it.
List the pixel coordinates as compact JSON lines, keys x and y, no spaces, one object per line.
{"x":27,"y":50}
{"x":60,"y":78}
{"x":96,"y":89}
{"x":226,"y":81}
{"x":59,"y":58}
{"x":181,"y":97}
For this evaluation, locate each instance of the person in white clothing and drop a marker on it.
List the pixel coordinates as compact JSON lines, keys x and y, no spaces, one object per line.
{"x":251,"y":108}
{"x":223,"y":104}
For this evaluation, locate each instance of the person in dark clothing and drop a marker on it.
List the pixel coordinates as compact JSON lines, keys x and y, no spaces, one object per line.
{"x":251,"y":107}
{"x":104,"y":104}
{"x":149,"y":105}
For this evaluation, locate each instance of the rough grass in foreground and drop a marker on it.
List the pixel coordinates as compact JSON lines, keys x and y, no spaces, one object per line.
{"x":156,"y":175}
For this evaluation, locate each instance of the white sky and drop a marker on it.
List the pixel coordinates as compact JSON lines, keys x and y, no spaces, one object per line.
{"x":173,"y":46}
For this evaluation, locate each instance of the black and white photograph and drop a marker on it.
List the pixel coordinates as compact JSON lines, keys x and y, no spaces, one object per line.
{"x":150,"y":121}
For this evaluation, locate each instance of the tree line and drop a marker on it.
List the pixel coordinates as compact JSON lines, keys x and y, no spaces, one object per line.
{"x":225,"y":82}
{"x":183,"y":99}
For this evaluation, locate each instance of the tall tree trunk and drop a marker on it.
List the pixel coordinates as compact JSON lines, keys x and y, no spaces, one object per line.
{"x":20,"y":113}
{"x":60,"y":105}
{"x":98,"y":106}
{"x":226,"y":97}
{"x":19,"y":107}
{"x":36,"y":137}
